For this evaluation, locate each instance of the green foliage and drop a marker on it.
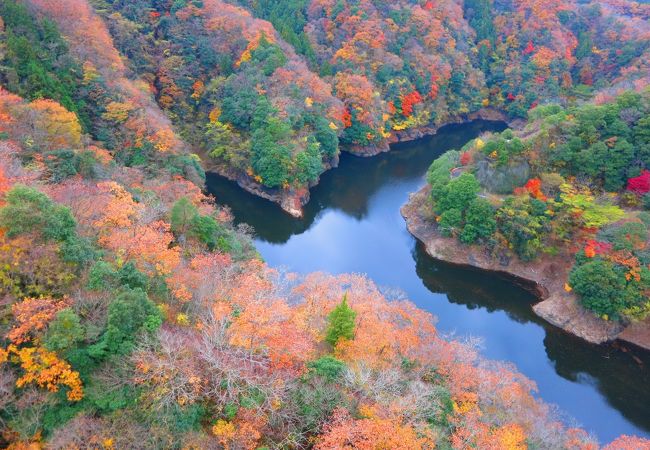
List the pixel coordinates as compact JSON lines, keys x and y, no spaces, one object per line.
{"x":182,"y":215}
{"x":268,"y":56}
{"x":458,"y":193}
{"x":603,"y":142}
{"x":593,"y":214}
{"x":36,"y":63}
{"x":438,"y":173}
{"x":289,"y":18}
{"x":30,"y":211}
{"x":522,"y":221}
{"x":479,"y":221}
{"x":628,"y":236}
{"x":186,"y":221}
{"x":340,"y":323}
{"x":451,"y":222}
{"x":272,"y":151}
{"x":602,"y":288}
{"x":309,"y":164}
{"x":317,"y":393}
{"x":327,"y":367}
{"x":129,"y":314}
{"x":503,"y":147}
{"x":326,"y":137}
{"x":64,"y":331}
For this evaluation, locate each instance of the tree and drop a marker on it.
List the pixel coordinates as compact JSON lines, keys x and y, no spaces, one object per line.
{"x":64,"y":331}
{"x":29,"y":210}
{"x":479,"y":221}
{"x":458,"y":194}
{"x":601,"y":287}
{"x":340,"y":323}
{"x":183,"y":213}
{"x":128,"y":315}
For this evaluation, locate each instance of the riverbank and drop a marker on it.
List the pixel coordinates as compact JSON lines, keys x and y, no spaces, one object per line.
{"x":292,"y":201}
{"x":545,"y":278}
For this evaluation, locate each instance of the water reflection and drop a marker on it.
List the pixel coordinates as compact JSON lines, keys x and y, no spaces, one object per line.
{"x":353,"y":224}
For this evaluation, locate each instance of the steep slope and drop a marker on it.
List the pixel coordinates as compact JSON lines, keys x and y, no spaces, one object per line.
{"x":237,"y":92}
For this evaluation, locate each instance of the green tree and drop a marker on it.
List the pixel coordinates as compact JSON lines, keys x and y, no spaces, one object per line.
{"x":30,"y":211}
{"x":458,"y":194}
{"x":130,"y":314}
{"x":340,"y":323}
{"x":183,"y":213}
{"x":64,"y":331}
{"x":601,"y":287}
{"x":479,"y":221}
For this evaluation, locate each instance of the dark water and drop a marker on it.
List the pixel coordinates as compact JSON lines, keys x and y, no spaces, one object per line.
{"x":353,"y":224}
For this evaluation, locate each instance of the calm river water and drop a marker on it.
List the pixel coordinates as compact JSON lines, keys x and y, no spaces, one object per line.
{"x":353,"y":224}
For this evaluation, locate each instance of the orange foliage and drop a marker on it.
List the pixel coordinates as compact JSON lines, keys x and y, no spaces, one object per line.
{"x":33,"y":315}
{"x":147,"y":245}
{"x":408,"y":101}
{"x":625,"y":442}
{"x":534,"y":188}
{"x":343,"y":432}
{"x":45,"y":369}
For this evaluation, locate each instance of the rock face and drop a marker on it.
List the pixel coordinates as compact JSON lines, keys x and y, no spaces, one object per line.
{"x":545,"y":278}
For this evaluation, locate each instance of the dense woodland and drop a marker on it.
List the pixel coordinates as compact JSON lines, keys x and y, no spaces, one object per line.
{"x":573,"y":182}
{"x":134,"y":314}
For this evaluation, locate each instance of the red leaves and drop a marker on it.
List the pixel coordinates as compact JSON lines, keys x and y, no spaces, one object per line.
{"x":347,"y":118}
{"x":465,"y":158}
{"x":530,"y":48}
{"x":534,"y":188}
{"x":433,"y":93}
{"x":640,"y":185}
{"x":408,"y":101}
{"x":594,"y":248}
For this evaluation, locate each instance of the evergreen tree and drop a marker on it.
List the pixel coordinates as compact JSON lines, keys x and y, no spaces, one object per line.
{"x":341,"y":323}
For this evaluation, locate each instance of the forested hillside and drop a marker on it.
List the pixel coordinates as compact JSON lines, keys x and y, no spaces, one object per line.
{"x":358,"y":75}
{"x":573,"y":184}
{"x":135,"y":314}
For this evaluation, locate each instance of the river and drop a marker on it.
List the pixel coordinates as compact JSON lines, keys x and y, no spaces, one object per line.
{"x":353,"y":224}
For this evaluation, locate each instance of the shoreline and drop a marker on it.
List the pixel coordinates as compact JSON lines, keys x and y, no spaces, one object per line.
{"x":292,"y":201}
{"x":544,"y":278}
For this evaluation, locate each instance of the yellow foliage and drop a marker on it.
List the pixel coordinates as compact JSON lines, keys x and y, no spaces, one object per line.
{"x":182,"y":319}
{"x":309,"y":102}
{"x":118,"y":111}
{"x":215,"y":114}
{"x":90,"y":72}
{"x":224,"y":430}
{"x":333,"y":126}
{"x":46,"y":370}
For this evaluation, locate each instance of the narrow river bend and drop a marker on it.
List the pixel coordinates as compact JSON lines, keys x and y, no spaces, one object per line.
{"x":353,"y":224}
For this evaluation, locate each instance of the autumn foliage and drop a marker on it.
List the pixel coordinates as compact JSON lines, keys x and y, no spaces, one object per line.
{"x":136,"y":311}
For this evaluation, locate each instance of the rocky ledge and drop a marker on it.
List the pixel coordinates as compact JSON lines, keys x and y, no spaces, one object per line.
{"x":290,"y":200}
{"x":545,"y":278}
